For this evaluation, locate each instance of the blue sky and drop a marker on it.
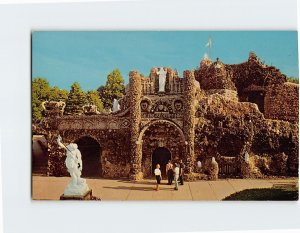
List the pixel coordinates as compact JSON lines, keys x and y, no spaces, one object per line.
{"x":88,"y":57}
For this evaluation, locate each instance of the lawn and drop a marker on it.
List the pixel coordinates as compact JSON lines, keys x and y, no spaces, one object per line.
{"x":266,"y":194}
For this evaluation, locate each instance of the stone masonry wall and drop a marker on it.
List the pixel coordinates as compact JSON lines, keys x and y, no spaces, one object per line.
{"x":189,"y":120}
{"x":135,"y":120}
{"x":281,"y":102}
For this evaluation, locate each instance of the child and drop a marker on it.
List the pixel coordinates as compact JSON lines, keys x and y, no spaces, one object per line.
{"x":157,"y":174}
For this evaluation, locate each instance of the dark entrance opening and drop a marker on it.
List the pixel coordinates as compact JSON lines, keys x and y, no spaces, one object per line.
{"x":257,"y":97}
{"x":90,"y":153}
{"x":39,"y":155}
{"x":160,"y":156}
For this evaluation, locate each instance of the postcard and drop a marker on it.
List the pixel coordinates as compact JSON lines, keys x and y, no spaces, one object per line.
{"x":165,"y":115}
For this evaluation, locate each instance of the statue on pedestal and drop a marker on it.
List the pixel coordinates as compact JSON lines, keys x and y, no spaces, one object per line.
{"x":77,"y":185}
{"x":162,"y":79}
{"x":116,"y":106}
{"x":246,"y":166}
{"x":213,"y":169}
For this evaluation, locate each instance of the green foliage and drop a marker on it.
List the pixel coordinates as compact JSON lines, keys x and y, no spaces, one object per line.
{"x":266,"y":194}
{"x":114,"y":88}
{"x":57,"y":94}
{"x":94,"y":98}
{"x":76,"y":100}
{"x":293,"y":80}
{"x":40,"y":92}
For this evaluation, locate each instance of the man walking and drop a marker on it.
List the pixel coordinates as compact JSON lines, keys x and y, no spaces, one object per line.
{"x":169,"y":172}
{"x":176,"y":175}
{"x":181,"y":168}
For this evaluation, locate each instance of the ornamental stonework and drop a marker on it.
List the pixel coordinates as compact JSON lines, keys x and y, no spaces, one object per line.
{"x":217,"y":112}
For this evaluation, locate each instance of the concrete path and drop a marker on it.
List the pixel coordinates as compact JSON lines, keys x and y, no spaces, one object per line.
{"x":50,"y":188}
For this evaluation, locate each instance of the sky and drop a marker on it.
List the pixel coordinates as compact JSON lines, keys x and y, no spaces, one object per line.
{"x":87,"y":57}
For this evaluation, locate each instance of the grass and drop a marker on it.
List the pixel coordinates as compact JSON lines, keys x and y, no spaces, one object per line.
{"x":266,"y":194}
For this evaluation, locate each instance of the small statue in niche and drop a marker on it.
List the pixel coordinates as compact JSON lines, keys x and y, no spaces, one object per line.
{"x":246,"y":157}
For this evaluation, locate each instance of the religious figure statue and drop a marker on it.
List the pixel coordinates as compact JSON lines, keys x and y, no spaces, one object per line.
{"x":246,"y":157}
{"x":199,"y":165}
{"x":116,"y":105}
{"x":162,"y":79}
{"x":77,"y":185}
{"x":213,"y":160}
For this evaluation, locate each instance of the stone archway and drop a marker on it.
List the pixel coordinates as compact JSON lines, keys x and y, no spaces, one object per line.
{"x":161,"y":156}
{"x":39,"y":155}
{"x":160,"y":134}
{"x":91,"y":156}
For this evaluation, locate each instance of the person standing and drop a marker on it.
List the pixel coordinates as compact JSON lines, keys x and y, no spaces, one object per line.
{"x":169,"y":172}
{"x":157,"y":174}
{"x":176,"y":175}
{"x":181,"y":168}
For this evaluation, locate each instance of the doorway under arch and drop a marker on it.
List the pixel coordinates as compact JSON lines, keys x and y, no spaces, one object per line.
{"x":161,"y":156}
{"x":91,"y":156}
{"x":39,"y":155}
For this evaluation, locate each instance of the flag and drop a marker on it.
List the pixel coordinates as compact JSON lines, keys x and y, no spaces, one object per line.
{"x":209,"y":43}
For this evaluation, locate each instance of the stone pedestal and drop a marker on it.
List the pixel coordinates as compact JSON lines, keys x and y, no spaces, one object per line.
{"x":86,"y":196}
{"x":213,"y":171}
{"x":246,"y":169}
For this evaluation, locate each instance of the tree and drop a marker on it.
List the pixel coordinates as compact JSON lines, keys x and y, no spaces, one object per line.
{"x":57,"y":94}
{"x":114,"y":88}
{"x":76,"y":100}
{"x":40,"y":92}
{"x":94,"y":98}
{"x":293,"y":80}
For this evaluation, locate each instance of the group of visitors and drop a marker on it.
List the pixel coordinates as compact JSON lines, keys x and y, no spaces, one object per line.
{"x":173,"y":172}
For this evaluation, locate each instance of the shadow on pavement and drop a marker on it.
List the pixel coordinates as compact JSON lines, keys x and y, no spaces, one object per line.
{"x":131,"y":188}
{"x":150,"y":188}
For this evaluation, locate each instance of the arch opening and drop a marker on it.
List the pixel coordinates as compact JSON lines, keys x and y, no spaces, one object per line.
{"x":161,"y":156}
{"x":91,"y":156}
{"x":39,"y":155}
{"x":161,"y":141}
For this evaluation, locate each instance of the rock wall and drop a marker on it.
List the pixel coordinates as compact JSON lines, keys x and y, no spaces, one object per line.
{"x":226,"y":129}
{"x":282,"y":102}
{"x":114,"y":146}
{"x":250,"y":79}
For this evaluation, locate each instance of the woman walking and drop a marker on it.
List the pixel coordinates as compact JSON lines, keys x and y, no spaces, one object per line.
{"x":157,"y":174}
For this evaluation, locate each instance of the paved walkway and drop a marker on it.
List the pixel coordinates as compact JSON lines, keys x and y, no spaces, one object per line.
{"x":50,"y":188}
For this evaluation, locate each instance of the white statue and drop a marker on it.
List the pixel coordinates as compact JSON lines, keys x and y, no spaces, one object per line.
{"x":213,"y":160}
{"x":246,"y":157}
{"x":162,"y":79}
{"x":116,"y":106}
{"x":77,"y":185}
{"x":199,"y":164}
